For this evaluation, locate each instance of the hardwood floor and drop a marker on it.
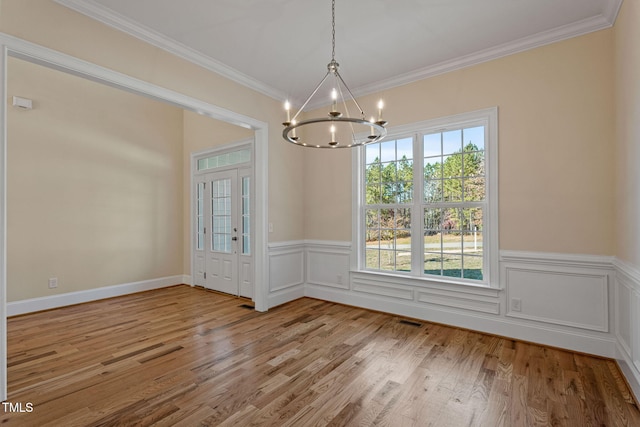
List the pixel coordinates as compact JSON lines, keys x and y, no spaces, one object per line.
{"x":185,"y":356}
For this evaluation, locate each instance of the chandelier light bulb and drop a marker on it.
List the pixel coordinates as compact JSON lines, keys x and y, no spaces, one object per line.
{"x":287,"y":107}
{"x":334,"y":99}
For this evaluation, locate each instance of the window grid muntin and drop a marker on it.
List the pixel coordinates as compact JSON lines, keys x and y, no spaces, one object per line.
{"x":222,"y":160}
{"x":388,"y":233}
{"x":458,"y":244}
{"x":221,"y":215}
{"x":461,"y":169}
{"x":388,"y":199}
{"x":388,"y":159}
{"x":468,"y":196}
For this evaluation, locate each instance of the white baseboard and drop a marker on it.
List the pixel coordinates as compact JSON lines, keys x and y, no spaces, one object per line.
{"x":630,"y":372}
{"x":46,"y":303}
{"x":285,"y":295}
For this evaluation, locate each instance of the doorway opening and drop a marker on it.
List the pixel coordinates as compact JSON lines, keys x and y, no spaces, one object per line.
{"x":17,"y":48}
{"x":222,"y":219}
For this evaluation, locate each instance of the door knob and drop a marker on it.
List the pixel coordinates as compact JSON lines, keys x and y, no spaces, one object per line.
{"x":234,"y":238}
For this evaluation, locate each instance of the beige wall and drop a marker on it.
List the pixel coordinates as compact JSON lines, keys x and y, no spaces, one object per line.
{"x":48,"y":24}
{"x":627,"y":185}
{"x":555,"y":145}
{"x":328,"y":197}
{"x":556,"y":113}
{"x":94,"y":184}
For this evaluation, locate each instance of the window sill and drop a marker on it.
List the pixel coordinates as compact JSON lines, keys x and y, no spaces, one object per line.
{"x":426,"y":282}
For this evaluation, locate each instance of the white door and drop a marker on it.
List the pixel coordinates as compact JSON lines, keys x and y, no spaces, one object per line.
{"x":222,"y":253}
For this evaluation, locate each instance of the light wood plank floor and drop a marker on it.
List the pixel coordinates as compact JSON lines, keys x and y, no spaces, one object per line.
{"x":185,"y":356}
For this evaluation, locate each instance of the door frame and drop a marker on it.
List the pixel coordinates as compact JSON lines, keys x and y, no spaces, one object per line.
{"x":31,"y":52}
{"x":194,"y":157}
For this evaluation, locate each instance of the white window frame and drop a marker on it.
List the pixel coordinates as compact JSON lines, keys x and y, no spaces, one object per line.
{"x":489,"y":119}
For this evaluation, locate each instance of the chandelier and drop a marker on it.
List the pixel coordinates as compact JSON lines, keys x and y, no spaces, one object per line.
{"x":361,"y":130}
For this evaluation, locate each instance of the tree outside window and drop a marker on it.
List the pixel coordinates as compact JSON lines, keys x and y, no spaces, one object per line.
{"x":448,"y":217}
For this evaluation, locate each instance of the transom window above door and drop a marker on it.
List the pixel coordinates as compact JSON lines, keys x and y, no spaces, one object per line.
{"x":223,"y":160}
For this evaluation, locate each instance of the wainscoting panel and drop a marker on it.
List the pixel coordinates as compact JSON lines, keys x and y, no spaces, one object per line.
{"x":328,"y":264}
{"x":627,"y":321}
{"x":636,"y":330}
{"x":568,"y":298}
{"x":286,"y":266}
{"x":624,"y":304}
{"x":482,"y":304}
{"x":383,"y":288}
{"x":286,"y":272}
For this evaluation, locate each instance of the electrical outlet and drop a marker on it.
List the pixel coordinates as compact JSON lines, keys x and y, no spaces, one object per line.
{"x":516,"y":304}
{"x":53,"y":282}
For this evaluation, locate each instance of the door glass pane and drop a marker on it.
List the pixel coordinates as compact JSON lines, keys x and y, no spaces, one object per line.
{"x":246,"y":210}
{"x":221,"y":215}
{"x":200,"y":216}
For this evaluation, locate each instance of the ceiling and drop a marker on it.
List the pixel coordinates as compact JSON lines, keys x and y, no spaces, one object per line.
{"x":281,"y":47}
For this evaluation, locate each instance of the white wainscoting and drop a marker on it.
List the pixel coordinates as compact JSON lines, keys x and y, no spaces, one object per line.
{"x":565,"y":300}
{"x":627,"y":322}
{"x":556,"y":289}
{"x":286,"y":272}
{"x":60,"y":300}
{"x":327,"y":264}
{"x":584,"y":303}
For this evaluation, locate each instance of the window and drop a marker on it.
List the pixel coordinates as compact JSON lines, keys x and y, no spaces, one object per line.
{"x":246,"y":215}
{"x":200,"y":220}
{"x":388,"y":198}
{"x":225,"y":159}
{"x":428,"y":200}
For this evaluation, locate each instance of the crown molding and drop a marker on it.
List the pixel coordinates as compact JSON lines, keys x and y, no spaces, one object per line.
{"x":108,"y":17}
{"x":611,"y":11}
{"x":579,"y":28}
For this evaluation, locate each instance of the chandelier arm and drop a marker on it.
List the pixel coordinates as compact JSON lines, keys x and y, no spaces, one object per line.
{"x":346,"y":109}
{"x":312,"y":94}
{"x":350,"y":94}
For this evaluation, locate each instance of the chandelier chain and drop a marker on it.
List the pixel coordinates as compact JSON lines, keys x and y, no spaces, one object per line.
{"x":333,"y":30}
